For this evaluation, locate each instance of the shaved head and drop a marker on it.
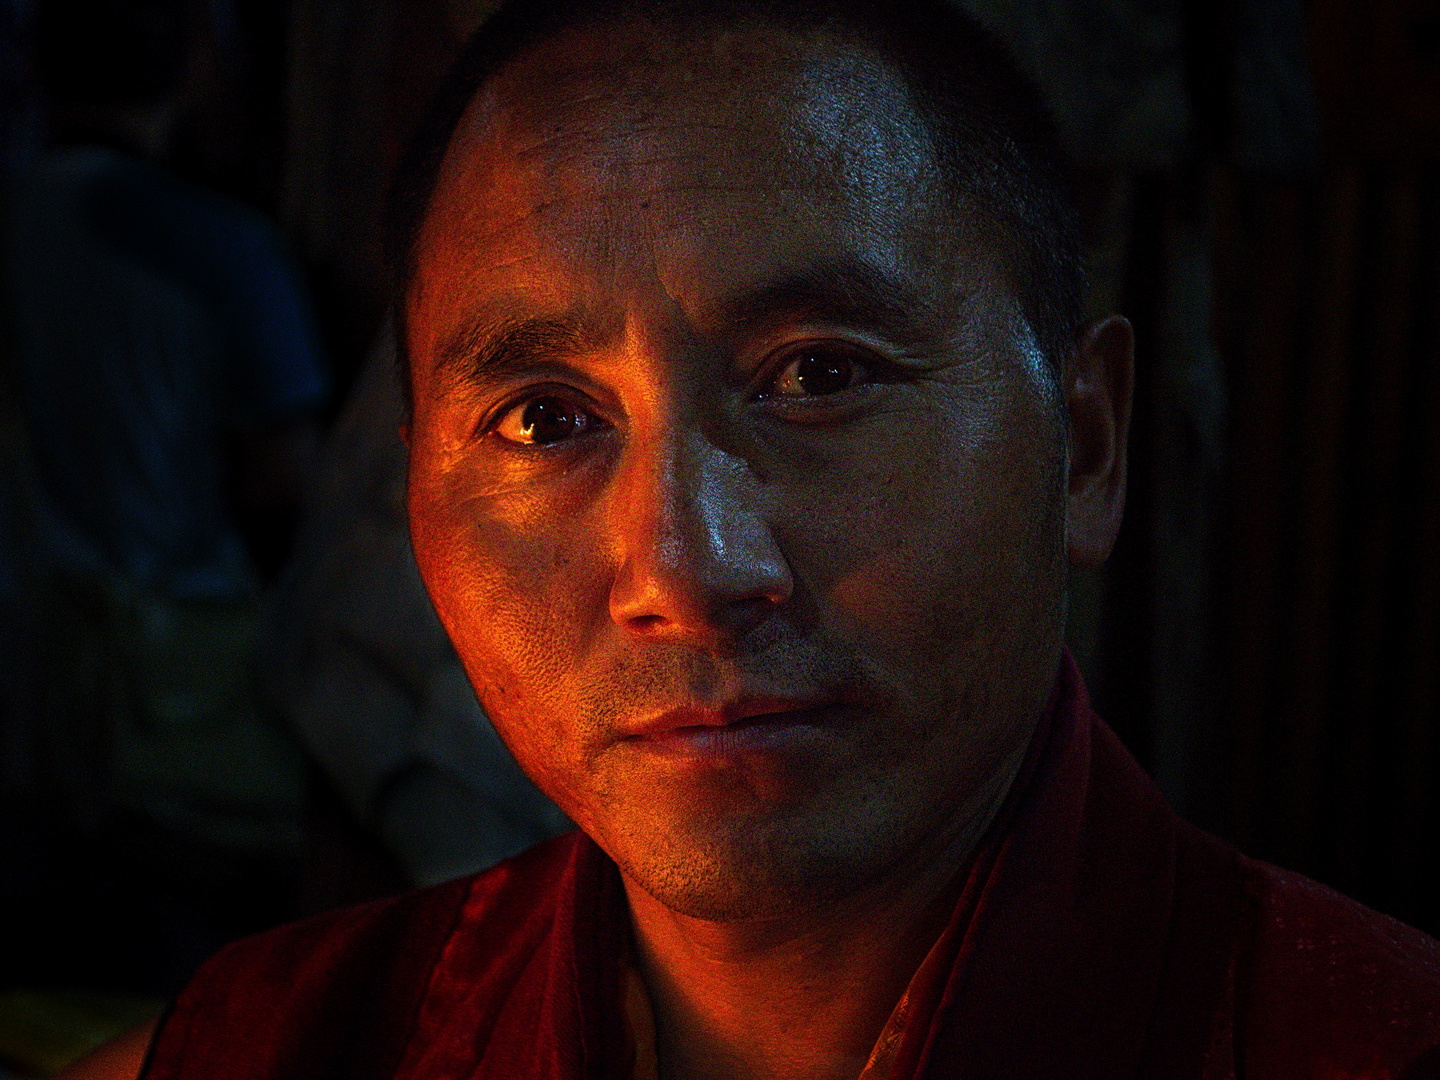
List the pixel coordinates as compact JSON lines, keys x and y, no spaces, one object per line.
{"x":980,"y":132}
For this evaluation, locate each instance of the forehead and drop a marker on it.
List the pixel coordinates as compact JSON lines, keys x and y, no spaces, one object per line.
{"x":660,"y":156}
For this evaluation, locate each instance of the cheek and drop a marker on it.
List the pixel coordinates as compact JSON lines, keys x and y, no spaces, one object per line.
{"x":929,"y":543}
{"x":521,"y":597}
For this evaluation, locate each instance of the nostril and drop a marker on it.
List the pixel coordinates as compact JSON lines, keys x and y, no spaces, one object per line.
{"x":745,"y":614}
{"x":643,"y":624}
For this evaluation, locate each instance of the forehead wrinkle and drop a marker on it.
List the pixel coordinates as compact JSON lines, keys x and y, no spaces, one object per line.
{"x":601,"y":138}
{"x":600,"y":198}
{"x":603,"y":174}
{"x":549,"y":139}
{"x":630,"y":166}
{"x":835,"y":122}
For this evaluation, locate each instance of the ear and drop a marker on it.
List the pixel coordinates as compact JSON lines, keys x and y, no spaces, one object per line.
{"x":1098,"y":385}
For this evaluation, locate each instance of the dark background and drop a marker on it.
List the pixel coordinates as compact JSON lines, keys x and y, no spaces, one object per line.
{"x":1269,"y":636}
{"x":1266,"y":638}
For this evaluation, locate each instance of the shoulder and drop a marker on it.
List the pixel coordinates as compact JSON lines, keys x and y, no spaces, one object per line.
{"x":490,"y":900}
{"x":338,"y":994}
{"x":1329,"y":983}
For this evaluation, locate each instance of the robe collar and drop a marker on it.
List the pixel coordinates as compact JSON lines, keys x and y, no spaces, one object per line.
{"x":1064,"y":955}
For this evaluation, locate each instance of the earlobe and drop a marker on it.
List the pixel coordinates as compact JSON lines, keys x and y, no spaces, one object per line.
{"x":1098,"y":386}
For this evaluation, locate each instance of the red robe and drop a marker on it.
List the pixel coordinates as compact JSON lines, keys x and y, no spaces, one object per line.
{"x":1097,"y":935}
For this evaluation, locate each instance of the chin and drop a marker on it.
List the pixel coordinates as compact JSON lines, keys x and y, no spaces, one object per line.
{"x":750,"y":870}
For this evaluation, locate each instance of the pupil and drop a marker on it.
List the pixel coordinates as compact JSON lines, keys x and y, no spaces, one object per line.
{"x":547,"y":420}
{"x":823,"y":374}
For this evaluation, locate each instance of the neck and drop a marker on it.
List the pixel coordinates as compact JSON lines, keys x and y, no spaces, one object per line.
{"x":806,"y":995}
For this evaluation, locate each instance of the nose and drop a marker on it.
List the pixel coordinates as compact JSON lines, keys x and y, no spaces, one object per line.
{"x":698,"y":561}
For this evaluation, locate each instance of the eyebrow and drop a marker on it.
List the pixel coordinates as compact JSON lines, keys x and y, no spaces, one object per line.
{"x":850,"y":290}
{"x":488,"y":348}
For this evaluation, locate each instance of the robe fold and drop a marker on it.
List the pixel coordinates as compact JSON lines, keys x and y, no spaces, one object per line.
{"x":1096,"y":935}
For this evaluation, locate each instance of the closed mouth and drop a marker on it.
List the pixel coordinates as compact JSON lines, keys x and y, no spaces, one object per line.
{"x":693,"y":721}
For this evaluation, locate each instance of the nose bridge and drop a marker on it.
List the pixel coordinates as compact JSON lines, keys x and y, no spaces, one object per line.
{"x":697,"y":553}
{"x":708,"y":508}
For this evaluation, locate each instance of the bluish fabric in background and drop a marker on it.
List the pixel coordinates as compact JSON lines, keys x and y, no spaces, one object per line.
{"x":151,"y":320}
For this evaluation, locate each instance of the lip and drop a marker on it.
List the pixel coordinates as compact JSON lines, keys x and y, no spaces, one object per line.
{"x":687,"y":720}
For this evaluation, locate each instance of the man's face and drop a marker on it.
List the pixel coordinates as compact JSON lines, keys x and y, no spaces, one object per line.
{"x":735,"y":472}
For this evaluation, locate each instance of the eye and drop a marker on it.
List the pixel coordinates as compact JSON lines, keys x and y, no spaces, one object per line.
{"x":544,"y":420}
{"x":818,"y":371}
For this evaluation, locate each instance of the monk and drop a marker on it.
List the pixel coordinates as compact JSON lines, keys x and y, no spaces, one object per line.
{"x":754,"y":426}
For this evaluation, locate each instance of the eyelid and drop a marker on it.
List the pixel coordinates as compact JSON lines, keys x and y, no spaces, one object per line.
{"x":543,"y":376}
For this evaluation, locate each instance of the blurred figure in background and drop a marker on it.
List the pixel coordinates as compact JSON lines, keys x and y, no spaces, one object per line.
{"x":163,"y":364}
{"x":355,"y":658}
{"x":358,"y":663}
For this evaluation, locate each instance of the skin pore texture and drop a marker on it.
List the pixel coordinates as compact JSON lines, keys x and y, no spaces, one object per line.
{"x":747,"y":499}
